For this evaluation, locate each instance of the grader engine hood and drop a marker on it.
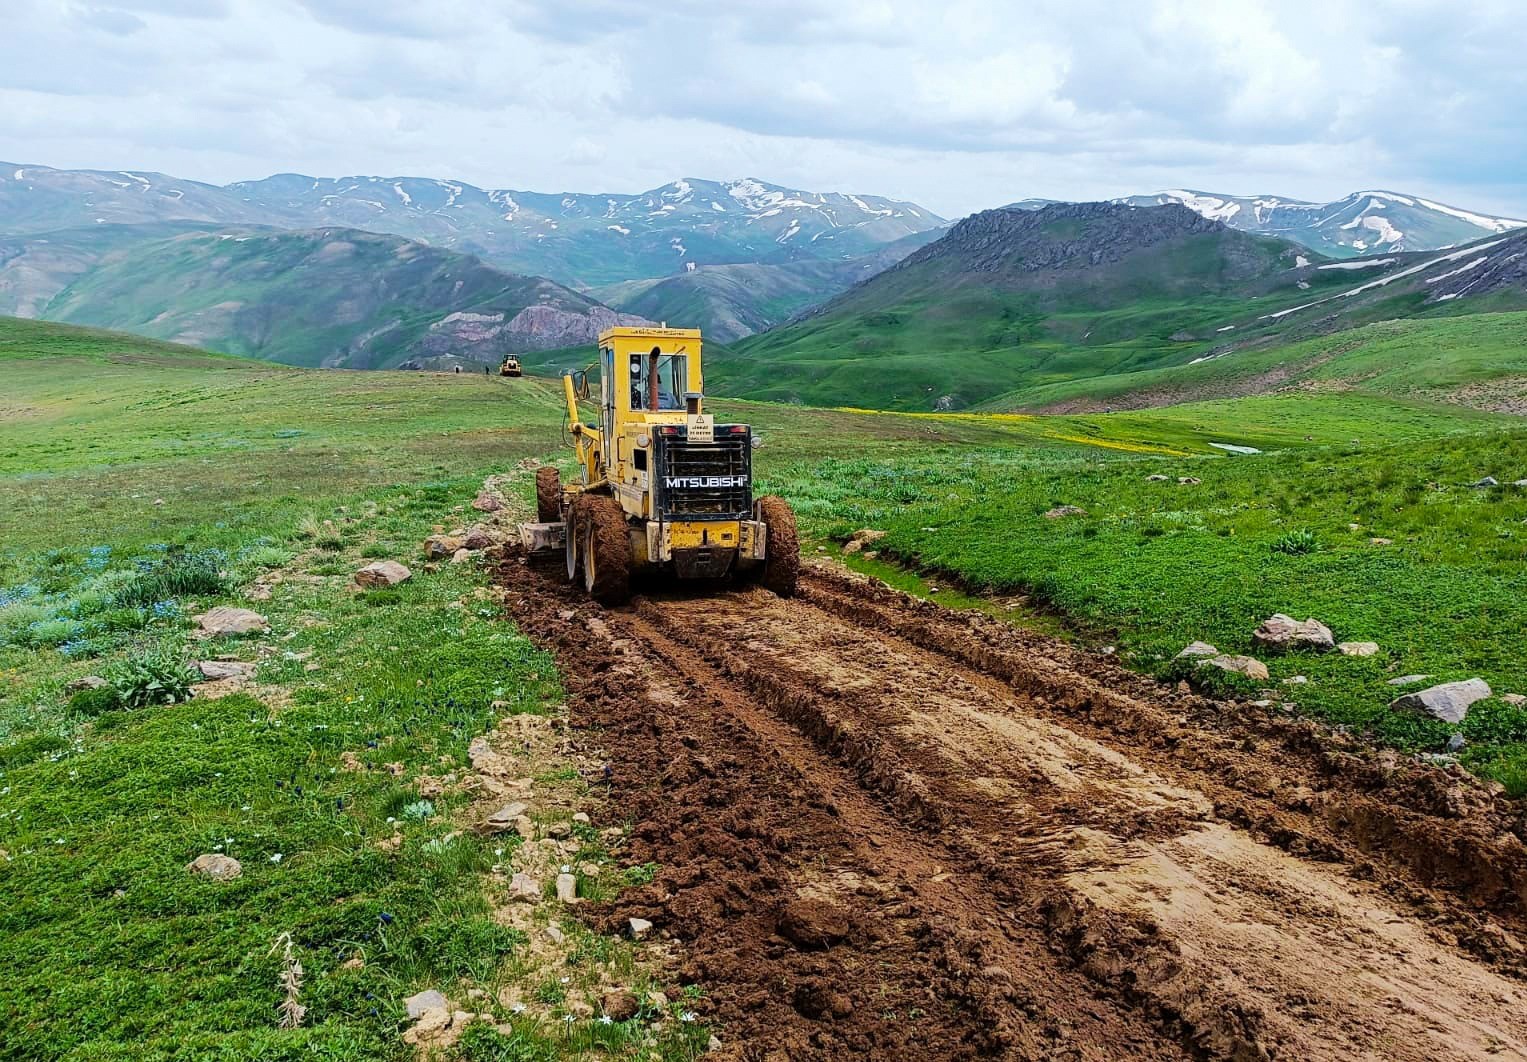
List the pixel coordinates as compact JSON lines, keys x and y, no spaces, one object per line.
{"x":699,"y":479}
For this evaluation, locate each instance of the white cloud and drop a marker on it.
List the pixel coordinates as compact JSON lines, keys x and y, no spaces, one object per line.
{"x":963,"y":105}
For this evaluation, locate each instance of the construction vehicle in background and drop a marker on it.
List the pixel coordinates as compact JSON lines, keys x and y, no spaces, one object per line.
{"x":660,"y":484}
{"x":510,"y":366}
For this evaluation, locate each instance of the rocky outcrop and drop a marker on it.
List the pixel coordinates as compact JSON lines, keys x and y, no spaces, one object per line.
{"x":542,"y":326}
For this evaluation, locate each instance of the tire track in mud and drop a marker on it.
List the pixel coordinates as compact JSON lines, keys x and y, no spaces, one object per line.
{"x":891,"y":831}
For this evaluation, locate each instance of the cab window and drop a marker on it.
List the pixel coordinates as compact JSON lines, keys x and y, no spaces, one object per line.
{"x":672,"y":380}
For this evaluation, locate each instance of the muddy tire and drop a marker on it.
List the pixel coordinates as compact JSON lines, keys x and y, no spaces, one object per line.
{"x":782,"y":546}
{"x":548,"y":495}
{"x":605,"y":549}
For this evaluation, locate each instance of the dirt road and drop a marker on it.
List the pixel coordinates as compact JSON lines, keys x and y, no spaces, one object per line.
{"x":890,"y":831}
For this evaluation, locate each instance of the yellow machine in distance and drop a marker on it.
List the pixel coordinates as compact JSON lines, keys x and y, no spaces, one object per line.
{"x":510,"y":366}
{"x":661,"y":485}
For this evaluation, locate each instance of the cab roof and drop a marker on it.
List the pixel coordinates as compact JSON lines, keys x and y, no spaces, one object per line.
{"x":647,"y":332}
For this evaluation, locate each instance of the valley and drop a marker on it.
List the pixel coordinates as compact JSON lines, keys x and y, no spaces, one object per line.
{"x":1057,"y":565}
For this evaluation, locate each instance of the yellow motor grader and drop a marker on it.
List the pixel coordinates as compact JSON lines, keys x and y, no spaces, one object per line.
{"x":660,"y":484}
{"x":510,"y":366}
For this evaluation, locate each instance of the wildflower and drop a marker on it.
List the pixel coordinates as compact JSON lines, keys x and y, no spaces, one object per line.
{"x":569,"y":1018}
{"x":385,"y":918}
{"x":98,"y":557}
{"x":605,"y":1019}
{"x":687,"y":1016}
{"x":167,"y":609}
{"x":518,"y":1008}
{"x":276,"y":858}
{"x":75,"y":647}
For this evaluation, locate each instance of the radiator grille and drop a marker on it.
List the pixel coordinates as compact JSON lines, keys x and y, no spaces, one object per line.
{"x":705,"y":480}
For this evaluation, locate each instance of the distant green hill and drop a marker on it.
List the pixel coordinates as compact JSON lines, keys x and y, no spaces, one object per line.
{"x":1478,"y":360}
{"x":1013,"y":300}
{"x":730,"y":302}
{"x":331,"y":297}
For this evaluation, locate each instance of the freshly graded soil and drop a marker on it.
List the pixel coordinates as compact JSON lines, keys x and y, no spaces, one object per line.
{"x":886,"y":830}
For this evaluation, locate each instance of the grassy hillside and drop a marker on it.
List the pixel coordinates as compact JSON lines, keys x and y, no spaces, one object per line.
{"x":331,"y":297}
{"x":1019,"y":300}
{"x":1478,"y":360}
{"x":141,"y":481}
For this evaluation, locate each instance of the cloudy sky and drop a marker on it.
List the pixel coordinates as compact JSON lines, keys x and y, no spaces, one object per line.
{"x":959,"y":104}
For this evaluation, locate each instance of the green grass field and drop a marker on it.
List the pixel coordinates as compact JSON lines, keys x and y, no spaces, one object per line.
{"x":140,"y":482}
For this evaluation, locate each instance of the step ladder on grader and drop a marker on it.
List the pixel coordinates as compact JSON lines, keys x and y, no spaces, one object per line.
{"x":660,"y":484}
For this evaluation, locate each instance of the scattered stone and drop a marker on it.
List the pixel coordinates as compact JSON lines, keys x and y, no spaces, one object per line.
{"x":1358,"y":648}
{"x":861,"y":538}
{"x":355,"y":962}
{"x":555,"y":934}
{"x":1456,"y":742}
{"x":87,"y":682}
{"x":216,"y":866}
{"x":1449,"y":702}
{"x":504,"y":817}
{"x":1439,"y":759}
{"x":382,"y":573}
{"x":524,"y":887}
{"x":582,"y":818}
{"x":1295,"y":680}
{"x":216,"y":670}
{"x":1520,"y":483}
{"x":525,"y":828}
{"x":1158,"y":478}
{"x":640,"y":927}
{"x":487,"y":502}
{"x":430,"y":1000}
{"x":1408,"y":680}
{"x":619,"y":1004}
{"x":439,"y":547}
{"x":1381,"y":542}
{"x":477,"y":538}
{"x":567,"y":888}
{"x":1282,"y":634}
{"x":1516,"y":700}
{"x":1241,"y":665}
{"x":461,"y":555}
{"x":1488,"y":481}
{"x":1189,"y":481}
{"x":1060,"y":512}
{"x":1198,"y":649}
{"x":226,"y":620}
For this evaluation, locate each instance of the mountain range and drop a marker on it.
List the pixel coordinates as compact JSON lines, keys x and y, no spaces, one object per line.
{"x":1017,"y":299}
{"x":1354,"y":225}
{"x":577,"y":239}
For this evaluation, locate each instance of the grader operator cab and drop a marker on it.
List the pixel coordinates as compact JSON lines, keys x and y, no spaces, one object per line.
{"x":660,"y":484}
{"x":510,"y":366}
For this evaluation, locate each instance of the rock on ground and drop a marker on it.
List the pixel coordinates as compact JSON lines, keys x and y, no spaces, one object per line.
{"x":477,"y":537}
{"x":216,"y":866}
{"x":861,"y":538}
{"x":487,"y":502}
{"x":226,"y":620}
{"x":567,"y":888}
{"x":1198,"y":649}
{"x":216,"y":670}
{"x":1449,"y":702}
{"x":1358,"y":648}
{"x":1281,"y":634}
{"x":1241,"y":665}
{"x":1408,"y":680}
{"x":430,"y":1000}
{"x":640,"y":927}
{"x":1516,"y":700}
{"x":439,"y":547}
{"x":87,"y":682}
{"x":382,"y":573}
{"x":1060,"y":512}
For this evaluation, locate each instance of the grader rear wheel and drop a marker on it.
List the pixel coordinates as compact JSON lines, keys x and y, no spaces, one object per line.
{"x":782,"y":546}
{"x":605,"y":549}
{"x":548,"y":495}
